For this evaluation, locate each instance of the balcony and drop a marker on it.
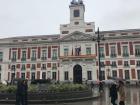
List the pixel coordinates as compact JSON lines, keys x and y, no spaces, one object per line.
{"x":43,"y":58}
{"x":92,"y":56}
{"x":43,"y":68}
{"x":54,"y":68}
{"x":125,"y":55}
{"x":54,"y":58}
{"x":114,"y":66}
{"x":33,"y":58}
{"x":102,"y":55}
{"x":23,"y":59}
{"x":126,"y":65}
{"x":113,"y":55}
{"x":1,"y":60}
{"x":13,"y":59}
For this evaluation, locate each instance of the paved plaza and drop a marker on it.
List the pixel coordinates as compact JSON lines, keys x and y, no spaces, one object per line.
{"x":132,"y":98}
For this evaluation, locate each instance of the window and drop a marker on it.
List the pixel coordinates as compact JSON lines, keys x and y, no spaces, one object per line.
{"x":23,"y":55}
{"x":13,"y":67}
{"x":126,"y":64}
{"x":33,"y":67}
{"x":76,"y":13}
{"x":125,"y":51}
{"x":88,"y":50}
{"x":23,"y":75}
{"x":127,"y":75}
{"x":138,"y":63}
{"x":54,"y":54}
{"x":102,"y":64}
{"x":1,"y":56}
{"x":137,"y":50}
{"x":54,"y":75}
{"x":138,"y":74}
{"x":89,"y":75}
{"x":54,"y":66}
{"x":101,"y":52}
{"x":43,"y":67}
{"x":44,"y":54}
{"x":76,"y":23}
{"x":33,"y":55}
{"x":114,"y":73}
{"x":66,"y":75}
{"x":114,"y":64}
{"x":0,"y":76}
{"x":14,"y":56}
{"x":44,"y":75}
{"x":103,"y":75}
{"x":23,"y":67}
{"x":66,"y":51}
{"x":0,"y":68}
{"x":89,"y":30}
{"x":65,"y":32}
{"x":32,"y":76}
{"x":113,"y":51}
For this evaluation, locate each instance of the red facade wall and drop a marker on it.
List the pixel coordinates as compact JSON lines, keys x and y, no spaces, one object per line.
{"x":38,"y":74}
{"x":38,"y":65}
{"x":49,"y":52}
{"x":133,"y":73}
{"x":107,"y":49}
{"x":107,"y":63}
{"x":28,"y":65}
{"x":49,"y":65}
{"x":119,"y":48}
{"x":119,"y":62}
{"x":132,"y":62}
{"x":29,"y":53}
{"x":131,"y":48}
{"x":120,"y":73}
{"x":18,"y":66}
{"x":28,"y":75}
{"x":19,"y":53}
{"x":39,"y":49}
{"x":18,"y":75}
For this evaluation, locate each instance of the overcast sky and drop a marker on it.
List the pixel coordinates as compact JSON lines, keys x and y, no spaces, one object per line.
{"x":43,"y":17}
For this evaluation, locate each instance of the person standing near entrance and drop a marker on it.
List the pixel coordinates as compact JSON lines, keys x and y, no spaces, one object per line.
{"x":121,"y":93}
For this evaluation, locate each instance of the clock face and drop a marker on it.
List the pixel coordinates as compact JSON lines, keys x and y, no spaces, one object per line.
{"x":76,"y":13}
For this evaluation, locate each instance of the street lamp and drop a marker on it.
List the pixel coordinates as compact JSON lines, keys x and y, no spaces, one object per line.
{"x":98,"y":39}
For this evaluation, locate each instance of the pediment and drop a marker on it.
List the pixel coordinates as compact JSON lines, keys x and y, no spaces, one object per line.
{"x":77,"y":36}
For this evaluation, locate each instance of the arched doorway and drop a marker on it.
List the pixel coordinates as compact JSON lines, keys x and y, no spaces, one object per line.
{"x":77,"y":74}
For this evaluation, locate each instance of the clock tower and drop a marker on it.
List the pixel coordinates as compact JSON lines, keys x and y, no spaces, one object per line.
{"x":77,"y":10}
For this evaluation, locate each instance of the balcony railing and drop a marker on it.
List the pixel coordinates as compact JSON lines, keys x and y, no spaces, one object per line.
{"x":54,"y":58}
{"x":43,"y":58}
{"x":23,"y":68}
{"x":113,"y":55}
{"x":33,"y":58}
{"x":102,"y":55}
{"x":33,"y":68}
{"x":126,"y":65}
{"x":114,"y":66}
{"x":1,"y":60}
{"x":137,"y":54}
{"x":43,"y":68}
{"x":125,"y":55}
{"x":13,"y":59}
{"x":23,"y":59}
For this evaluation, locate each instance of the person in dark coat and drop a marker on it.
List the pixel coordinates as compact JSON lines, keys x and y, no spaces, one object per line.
{"x":24,"y":92}
{"x":113,"y":94}
{"x":19,"y":92}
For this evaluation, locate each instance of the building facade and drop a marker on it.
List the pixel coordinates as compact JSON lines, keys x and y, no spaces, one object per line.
{"x":72,"y":55}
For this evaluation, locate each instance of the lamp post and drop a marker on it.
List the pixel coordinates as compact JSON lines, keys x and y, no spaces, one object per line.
{"x":98,"y":39}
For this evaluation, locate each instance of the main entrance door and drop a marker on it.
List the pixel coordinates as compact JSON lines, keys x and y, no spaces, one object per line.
{"x":77,"y":74}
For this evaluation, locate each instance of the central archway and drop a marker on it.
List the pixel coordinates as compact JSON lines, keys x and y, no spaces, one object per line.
{"x":77,"y":74}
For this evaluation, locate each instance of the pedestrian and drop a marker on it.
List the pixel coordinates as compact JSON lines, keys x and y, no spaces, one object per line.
{"x":100,"y":86}
{"x":24,"y":92}
{"x":19,"y":92}
{"x":121,"y":93}
{"x":113,"y":93}
{"x":92,"y":84}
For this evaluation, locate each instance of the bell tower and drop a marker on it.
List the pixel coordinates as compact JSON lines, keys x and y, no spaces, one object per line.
{"x":77,"y":10}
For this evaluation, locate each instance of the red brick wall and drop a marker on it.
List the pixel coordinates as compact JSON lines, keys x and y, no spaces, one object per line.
{"x":39,"y":52}
{"x":107,"y":49}
{"x":38,"y":65}
{"x":119,"y":62}
{"x":18,"y":66}
{"x":19,"y":53}
{"x":131,"y":48}
{"x":49,"y":65}
{"x":119,"y":48}
{"x":28,"y":65}
{"x":38,"y":74}
{"x":49,"y":52}
{"x":133,"y":73}
{"x":132,"y":62}
{"x":29,"y":53}
{"x":107,"y":63}
{"x":120,"y":73}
